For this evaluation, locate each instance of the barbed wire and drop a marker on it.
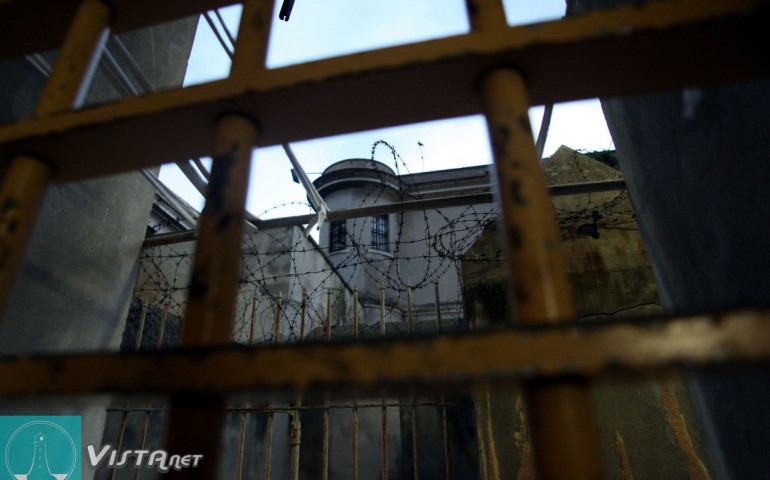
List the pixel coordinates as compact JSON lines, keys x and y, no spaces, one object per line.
{"x":279,"y":265}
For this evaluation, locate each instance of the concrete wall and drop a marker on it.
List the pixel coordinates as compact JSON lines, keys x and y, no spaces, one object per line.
{"x":695,"y":162}
{"x":646,"y":429}
{"x":75,"y":284}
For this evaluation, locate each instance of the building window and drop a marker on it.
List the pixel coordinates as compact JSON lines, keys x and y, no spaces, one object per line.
{"x":380,"y":233}
{"x":338,"y":234}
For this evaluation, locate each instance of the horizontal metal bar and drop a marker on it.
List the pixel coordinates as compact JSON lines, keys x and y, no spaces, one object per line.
{"x":293,"y":408}
{"x":629,"y":50}
{"x":28,"y":26}
{"x":584,"y":349}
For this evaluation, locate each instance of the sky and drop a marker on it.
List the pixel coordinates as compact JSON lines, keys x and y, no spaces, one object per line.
{"x":322,"y":29}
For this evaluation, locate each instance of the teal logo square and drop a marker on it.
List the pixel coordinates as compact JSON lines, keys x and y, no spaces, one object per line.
{"x":43,"y":447}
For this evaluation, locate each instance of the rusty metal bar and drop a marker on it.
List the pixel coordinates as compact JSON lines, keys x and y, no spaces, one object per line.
{"x":355,"y":314}
{"x":339,"y":405}
{"x":295,"y":440}
{"x":162,"y":327}
{"x":409,"y":317}
{"x":481,"y":439}
{"x":354,"y":427}
{"x":143,"y":441}
{"x":415,"y":445}
{"x":208,"y":317}
{"x":241,"y":446}
{"x":119,"y":442}
{"x":26,"y":177}
{"x":253,"y":317}
{"x":252,"y":40}
{"x":384,"y":413}
{"x":328,"y":324}
{"x":493,"y":468}
{"x":140,"y":327}
{"x":269,"y":430}
{"x":303,"y":311}
{"x":438,"y":305}
{"x":269,"y":446}
{"x":564,"y":435}
{"x":195,"y":422}
{"x":384,"y":421}
{"x":523,"y":353}
{"x":382,"y":310}
{"x":486,"y":15}
{"x":296,"y":415}
{"x":293,"y":102}
{"x":16,"y":38}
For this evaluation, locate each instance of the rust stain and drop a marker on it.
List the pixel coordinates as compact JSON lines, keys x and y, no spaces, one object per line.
{"x":625,"y":465}
{"x":675,"y":419}
{"x":523,"y":444}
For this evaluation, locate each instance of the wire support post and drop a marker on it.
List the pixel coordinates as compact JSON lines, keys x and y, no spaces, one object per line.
{"x":564,"y":434}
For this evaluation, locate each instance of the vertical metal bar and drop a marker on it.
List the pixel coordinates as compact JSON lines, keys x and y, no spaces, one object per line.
{"x":354,"y":433}
{"x":486,"y":15}
{"x":269,"y":445}
{"x":303,"y":312}
{"x":269,"y":432}
{"x":328,"y":324}
{"x":438,"y":305}
{"x":325,"y":452}
{"x":277,"y":322}
{"x":26,"y":178}
{"x":252,"y":41}
{"x":195,"y":421}
{"x":415,"y":451}
{"x":143,"y":441}
{"x":119,"y":442}
{"x":384,"y":415}
{"x":382,"y":310}
{"x":296,"y":422}
{"x":447,"y":450}
{"x":210,"y":306}
{"x":162,"y":328}
{"x":295,"y":440}
{"x":241,"y":446}
{"x":409,"y":317}
{"x":253,"y":318}
{"x":564,"y":437}
{"x":494,"y":466}
{"x":384,"y":419}
{"x":355,"y":314}
{"x":140,"y":327}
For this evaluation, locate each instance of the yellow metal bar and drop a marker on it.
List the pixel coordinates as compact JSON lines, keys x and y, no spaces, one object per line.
{"x":210,"y":306}
{"x":729,"y":338}
{"x":26,"y":178}
{"x":293,"y":102}
{"x":253,"y":34}
{"x":195,"y":422}
{"x":564,"y":435}
{"x":486,"y":15}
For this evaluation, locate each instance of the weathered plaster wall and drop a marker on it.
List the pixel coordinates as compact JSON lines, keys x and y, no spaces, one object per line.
{"x":695,"y":162}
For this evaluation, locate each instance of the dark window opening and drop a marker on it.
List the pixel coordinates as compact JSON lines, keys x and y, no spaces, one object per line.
{"x":380,"y":233}
{"x":338,"y":233}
